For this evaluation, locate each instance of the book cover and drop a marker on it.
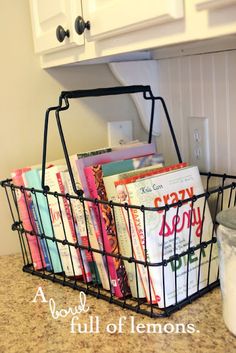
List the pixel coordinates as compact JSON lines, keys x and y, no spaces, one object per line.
{"x":24,"y":201}
{"x":42,"y":216}
{"x":78,"y":165}
{"x":124,"y":241}
{"x":94,"y":152}
{"x":161,"y":234}
{"x":81,"y":163}
{"x":126,"y":165}
{"x":124,"y":153}
{"x":61,"y":225}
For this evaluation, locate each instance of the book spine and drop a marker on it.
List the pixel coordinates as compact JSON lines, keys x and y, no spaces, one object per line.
{"x":151,"y":173}
{"x":102,"y":233}
{"x":110,"y":228}
{"x":61,"y":228}
{"x":82,"y":232}
{"x":69,"y":225}
{"x":34,"y":180}
{"x":87,"y":227}
{"x":74,"y":230}
{"x":35,"y":220}
{"x":24,"y":209}
{"x":139,"y":254}
{"x":124,"y":240}
{"x":126,"y":246}
{"x":39,"y":231}
{"x":94,"y":153}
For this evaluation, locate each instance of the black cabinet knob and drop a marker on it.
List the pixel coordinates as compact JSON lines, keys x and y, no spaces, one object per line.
{"x":61,"y":33}
{"x":81,"y":25}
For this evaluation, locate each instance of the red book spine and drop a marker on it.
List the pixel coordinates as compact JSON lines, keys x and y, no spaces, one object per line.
{"x":151,"y":173}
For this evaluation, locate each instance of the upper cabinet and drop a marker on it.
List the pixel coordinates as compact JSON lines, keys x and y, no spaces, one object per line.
{"x":53,"y":24}
{"x":73,"y":31}
{"x":213,"y":4}
{"x":112,"y":17}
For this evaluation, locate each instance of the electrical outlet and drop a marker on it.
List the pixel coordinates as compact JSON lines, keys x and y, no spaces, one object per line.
{"x":119,"y":132}
{"x":199,"y":143}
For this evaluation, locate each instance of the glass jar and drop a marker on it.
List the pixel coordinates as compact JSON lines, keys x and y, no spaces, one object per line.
{"x":226,"y":238}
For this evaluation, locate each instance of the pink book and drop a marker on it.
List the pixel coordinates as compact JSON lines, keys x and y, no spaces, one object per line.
{"x":118,"y":276}
{"x":144,"y":149}
{"x":24,"y":200}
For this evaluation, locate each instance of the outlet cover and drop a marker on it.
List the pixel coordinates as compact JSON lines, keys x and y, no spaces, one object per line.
{"x":119,"y":132}
{"x":199,"y":143}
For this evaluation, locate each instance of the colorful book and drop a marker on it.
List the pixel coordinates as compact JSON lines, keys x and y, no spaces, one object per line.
{"x":94,"y":152}
{"x":62,"y":227}
{"x":166,"y":233}
{"x":105,"y":221}
{"x":24,"y":202}
{"x":122,"y":232}
{"x":78,"y":164}
{"x":126,"y":165}
{"x":42,"y":217}
{"x":37,"y":225}
{"x":125,"y":153}
{"x":127,"y":228}
{"x":94,"y":175}
{"x":79,"y":210}
{"x":87,"y":230}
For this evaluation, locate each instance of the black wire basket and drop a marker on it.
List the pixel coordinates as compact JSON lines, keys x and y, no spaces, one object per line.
{"x":197,"y":257}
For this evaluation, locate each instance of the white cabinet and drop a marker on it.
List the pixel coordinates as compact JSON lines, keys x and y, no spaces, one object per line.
{"x":47,"y":16}
{"x":213,"y":4}
{"x":127,"y":29}
{"x":112,"y":17}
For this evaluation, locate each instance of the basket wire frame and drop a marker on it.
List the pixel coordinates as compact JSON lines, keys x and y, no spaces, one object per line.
{"x":220,"y":196}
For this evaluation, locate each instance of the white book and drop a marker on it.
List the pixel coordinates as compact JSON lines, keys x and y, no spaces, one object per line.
{"x":60,"y":222}
{"x":177,"y":229}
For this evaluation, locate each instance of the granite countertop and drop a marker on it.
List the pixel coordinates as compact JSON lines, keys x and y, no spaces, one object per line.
{"x":28,"y":327}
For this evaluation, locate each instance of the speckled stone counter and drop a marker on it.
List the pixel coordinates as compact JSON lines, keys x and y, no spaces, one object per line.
{"x":28,"y":327}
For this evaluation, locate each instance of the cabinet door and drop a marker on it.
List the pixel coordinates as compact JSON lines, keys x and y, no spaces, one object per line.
{"x":111,"y":17}
{"x":213,"y":4}
{"x":46,"y":16}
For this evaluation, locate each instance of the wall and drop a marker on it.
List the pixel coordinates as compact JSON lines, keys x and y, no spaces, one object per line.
{"x":26,"y":91}
{"x":201,"y":85}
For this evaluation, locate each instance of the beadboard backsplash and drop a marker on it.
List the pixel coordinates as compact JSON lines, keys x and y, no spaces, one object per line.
{"x":203,"y":86}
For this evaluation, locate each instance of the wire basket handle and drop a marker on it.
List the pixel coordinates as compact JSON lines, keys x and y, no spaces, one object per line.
{"x":97,"y":92}
{"x":107,"y":91}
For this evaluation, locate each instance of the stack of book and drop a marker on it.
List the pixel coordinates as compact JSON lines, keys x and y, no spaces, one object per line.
{"x":125,"y":233}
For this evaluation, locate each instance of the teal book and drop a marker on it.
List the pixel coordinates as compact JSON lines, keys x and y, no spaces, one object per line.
{"x":42,"y":218}
{"x":126,"y":165}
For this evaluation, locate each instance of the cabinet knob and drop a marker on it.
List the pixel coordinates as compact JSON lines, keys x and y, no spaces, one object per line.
{"x":81,"y":25}
{"x":61,"y":33}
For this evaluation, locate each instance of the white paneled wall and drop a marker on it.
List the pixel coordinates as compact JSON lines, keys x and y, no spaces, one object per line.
{"x":201,"y":85}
